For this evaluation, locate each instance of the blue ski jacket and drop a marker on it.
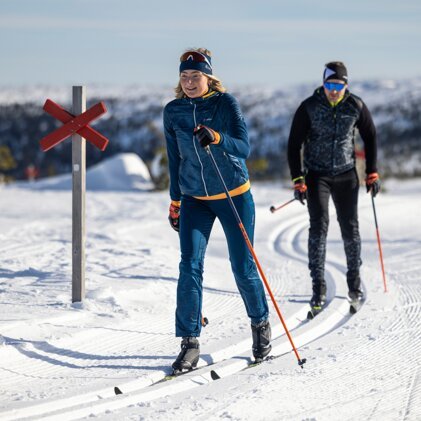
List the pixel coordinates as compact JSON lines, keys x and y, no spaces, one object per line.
{"x":190,"y":167}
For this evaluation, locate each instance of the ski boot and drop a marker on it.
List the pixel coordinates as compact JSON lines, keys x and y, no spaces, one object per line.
{"x":318,"y":300}
{"x":262,"y":334}
{"x":357,"y":299}
{"x":188,"y":357}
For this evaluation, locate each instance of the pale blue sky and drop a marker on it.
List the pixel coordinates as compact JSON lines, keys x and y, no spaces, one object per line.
{"x":274,"y":42}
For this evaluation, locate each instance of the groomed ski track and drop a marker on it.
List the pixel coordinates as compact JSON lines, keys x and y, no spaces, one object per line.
{"x":284,"y":251}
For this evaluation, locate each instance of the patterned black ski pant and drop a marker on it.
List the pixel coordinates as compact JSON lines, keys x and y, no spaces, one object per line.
{"x":344,"y":191}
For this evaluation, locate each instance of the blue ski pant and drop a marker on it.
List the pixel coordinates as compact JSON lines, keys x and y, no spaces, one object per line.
{"x":196,"y":221}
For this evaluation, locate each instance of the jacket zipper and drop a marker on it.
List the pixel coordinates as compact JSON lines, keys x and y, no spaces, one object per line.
{"x":334,"y":139}
{"x":197,"y":153}
{"x":336,"y":128}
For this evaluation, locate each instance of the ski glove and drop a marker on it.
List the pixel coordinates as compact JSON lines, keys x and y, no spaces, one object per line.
{"x":174,"y":216}
{"x":300,"y":189}
{"x":372,"y":183}
{"x":206,"y":136}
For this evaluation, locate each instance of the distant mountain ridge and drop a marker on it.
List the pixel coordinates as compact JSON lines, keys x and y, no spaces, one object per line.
{"x":134,"y":124}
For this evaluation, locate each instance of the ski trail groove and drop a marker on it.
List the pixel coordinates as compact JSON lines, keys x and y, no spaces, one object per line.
{"x":285,"y":241}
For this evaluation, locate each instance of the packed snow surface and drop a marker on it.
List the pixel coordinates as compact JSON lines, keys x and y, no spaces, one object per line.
{"x":121,"y":172}
{"x":62,"y":361}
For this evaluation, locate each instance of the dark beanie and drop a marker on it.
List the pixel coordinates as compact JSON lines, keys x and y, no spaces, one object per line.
{"x":335,"y":70}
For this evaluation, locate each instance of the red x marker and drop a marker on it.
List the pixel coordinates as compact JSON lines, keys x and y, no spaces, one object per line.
{"x":74,"y":124}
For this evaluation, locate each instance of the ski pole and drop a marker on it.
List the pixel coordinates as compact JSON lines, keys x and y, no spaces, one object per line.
{"x":273,"y":209}
{"x":379,"y":243}
{"x":256,"y":260}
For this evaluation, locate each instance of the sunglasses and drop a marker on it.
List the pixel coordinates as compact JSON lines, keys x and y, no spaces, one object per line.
{"x":195,"y":56}
{"x":330,"y":86}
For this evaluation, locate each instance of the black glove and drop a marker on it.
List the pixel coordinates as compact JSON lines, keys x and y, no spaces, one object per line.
{"x":206,"y":135}
{"x":174,"y":216}
{"x":372,"y":183}
{"x":300,"y":190}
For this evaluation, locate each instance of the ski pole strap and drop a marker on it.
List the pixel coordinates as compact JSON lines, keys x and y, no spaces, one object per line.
{"x":300,"y":178}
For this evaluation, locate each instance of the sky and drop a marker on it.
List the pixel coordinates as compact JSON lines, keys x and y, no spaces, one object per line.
{"x":273,"y":42}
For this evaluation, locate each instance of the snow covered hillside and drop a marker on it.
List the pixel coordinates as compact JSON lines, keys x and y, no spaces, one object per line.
{"x":133,"y":123}
{"x":62,"y":361}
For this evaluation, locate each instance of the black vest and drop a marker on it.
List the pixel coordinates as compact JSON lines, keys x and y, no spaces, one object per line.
{"x":329,"y":148}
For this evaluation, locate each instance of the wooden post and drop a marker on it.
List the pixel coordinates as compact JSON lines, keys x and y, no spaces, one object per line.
{"x":73,"y":123}
{"x":78,"y":200}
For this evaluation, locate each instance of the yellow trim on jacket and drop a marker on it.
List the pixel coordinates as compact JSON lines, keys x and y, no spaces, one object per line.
{"x":236,"y":192}
{"x":334,"y":104}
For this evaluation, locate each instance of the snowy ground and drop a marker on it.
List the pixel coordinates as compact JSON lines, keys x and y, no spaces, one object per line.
{"x":61,"y":361}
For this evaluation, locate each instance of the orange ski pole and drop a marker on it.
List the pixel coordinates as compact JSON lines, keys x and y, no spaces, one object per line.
{"x":250,"y":247}
{"x":273,"y":209}
{"x":379,"y":243}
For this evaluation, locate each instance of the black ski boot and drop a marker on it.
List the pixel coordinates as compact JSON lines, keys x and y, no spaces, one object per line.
{"x":262,"y":334}
{"x":318,"y":299}
{"x":355,"y":293}
{"x":357,"y":298}
{"x":353,"y":280}
{"x":188,"y":357}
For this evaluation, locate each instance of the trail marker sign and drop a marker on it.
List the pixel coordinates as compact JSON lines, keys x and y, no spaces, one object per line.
{"x":76,"y":125}
{"x":73,"y":125}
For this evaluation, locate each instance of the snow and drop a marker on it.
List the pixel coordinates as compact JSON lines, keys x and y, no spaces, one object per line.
{"x":61,"y":361}
{"x":121,"y":172}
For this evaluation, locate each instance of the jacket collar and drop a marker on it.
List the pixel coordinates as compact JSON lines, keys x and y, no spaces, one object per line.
{"x":210,"y":94}
{"x":319,"y":93}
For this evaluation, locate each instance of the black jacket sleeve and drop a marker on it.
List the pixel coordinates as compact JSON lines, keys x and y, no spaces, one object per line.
{"x":368,"y":134}
{"x":299,"y":131}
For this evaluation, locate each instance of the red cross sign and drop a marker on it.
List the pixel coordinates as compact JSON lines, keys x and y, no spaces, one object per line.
{"x":74,"y":124}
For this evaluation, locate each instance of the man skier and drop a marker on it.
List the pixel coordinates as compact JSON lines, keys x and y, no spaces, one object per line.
{"x":324,"y":126}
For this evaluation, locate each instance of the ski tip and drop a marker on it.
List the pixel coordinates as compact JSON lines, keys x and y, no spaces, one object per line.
{"x":310,"y":315}
{"x":117,"y":391}
{"x":272,"y":208}
{"x":214,"y":375}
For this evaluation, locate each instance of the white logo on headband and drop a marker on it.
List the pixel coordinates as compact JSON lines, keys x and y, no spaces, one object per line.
{"x":190,"y":57}
{"x":329,"y":72}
